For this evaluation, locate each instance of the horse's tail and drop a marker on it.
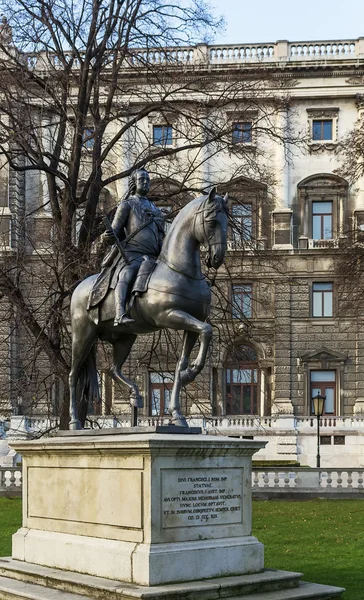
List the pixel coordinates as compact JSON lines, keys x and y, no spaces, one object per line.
{"x":88,"y":385}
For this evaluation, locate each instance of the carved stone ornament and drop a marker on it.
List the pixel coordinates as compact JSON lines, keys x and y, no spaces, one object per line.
{"x":242,"y":115}
{"x":358,"y":80}
{"x":322,"y":147}
{"x":323,"y":355}
{"x":322,"y":113}
{"x":162,"y":118}
{"x":359,"y":100}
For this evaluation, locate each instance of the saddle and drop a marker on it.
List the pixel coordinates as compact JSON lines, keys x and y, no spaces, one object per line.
{"x":140,"y":286}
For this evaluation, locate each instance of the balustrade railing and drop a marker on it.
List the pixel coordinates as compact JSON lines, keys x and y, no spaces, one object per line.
{"x":326,"y":480}
{"x":33,"y":427}
{"x":318,"y":50}
{"x":10,"y":481}
{"x":242,"y":53}
{"x":221,"y":54}
{"x":245,"y":422}
{"x":327,"y":422}
{"x":313,"y":244}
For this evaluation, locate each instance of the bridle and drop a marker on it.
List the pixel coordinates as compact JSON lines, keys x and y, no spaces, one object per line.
{"x":201,"y":212}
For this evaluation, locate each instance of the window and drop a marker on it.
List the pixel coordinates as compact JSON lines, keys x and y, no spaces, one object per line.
{"x":242,"y":382}
{"x":241,"y":391}
{"x":339,"y":440}
{"x":242,"y":301}
{"x":322,"y":300}
{"x":242,"y":216}
{"x":322,"y":129}
{"x":160,"y":393}
{"x":5,"y":231}
{"x":162,"y":135}
{"x":242,"y":133}
{"x":324,"y":383}
{"x":88,"y":138}
{"x":325,"y":440}
{"x":322,"y":220}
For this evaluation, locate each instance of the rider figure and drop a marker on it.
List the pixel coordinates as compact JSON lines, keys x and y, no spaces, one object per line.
{"x":140,"y":223}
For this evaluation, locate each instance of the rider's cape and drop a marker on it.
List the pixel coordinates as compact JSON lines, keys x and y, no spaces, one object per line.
{"x":102,"y":283}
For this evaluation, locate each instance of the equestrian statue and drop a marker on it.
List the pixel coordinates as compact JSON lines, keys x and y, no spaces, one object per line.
{"x":147,"y":282}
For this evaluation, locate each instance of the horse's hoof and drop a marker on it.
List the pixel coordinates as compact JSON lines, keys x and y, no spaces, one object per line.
{"x":187,"y":376}
{"x":179,"y":420}
{"x":75,"y":425}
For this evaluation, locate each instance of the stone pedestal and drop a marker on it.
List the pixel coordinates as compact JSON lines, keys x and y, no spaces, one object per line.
{"x":147,"y":509}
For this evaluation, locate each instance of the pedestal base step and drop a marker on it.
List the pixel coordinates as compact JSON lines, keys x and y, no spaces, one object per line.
{"x":25,"y":581}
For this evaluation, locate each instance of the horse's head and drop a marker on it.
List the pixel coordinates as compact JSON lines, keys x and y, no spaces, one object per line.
{"x":212,"y":227}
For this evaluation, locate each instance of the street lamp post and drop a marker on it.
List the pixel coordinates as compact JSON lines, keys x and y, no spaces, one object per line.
{"x":318,"y":409}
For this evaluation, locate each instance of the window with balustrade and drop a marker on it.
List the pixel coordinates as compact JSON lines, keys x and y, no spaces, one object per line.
{"x":322,"y":221}
{"x":241,"y":380}
{"x":322,"y":214}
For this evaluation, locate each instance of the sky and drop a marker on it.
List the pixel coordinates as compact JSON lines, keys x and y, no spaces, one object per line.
{"x":305,"y":20}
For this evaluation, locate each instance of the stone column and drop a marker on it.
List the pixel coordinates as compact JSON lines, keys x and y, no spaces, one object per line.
{"x":282,"y":404}
{"x":359,"y":402}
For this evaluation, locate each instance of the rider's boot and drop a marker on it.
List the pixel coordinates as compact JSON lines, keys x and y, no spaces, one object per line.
{"x":121,"y":315}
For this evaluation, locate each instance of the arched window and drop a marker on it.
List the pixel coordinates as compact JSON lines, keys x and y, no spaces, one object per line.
{"x":241,"y":377}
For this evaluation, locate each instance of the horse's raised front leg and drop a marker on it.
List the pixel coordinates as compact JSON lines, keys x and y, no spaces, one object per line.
{"x":121,"y":351}
{"x":178,"y":319}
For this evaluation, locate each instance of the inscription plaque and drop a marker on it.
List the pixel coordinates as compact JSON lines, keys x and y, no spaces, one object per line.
{"x":195,"y":497}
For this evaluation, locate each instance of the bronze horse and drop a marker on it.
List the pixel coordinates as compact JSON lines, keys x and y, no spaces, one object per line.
{"x":178,"y":297}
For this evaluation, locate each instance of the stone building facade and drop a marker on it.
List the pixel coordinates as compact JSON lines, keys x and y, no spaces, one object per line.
{"x":281,"y":330}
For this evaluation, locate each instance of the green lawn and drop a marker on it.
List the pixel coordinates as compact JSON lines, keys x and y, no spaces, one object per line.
{"x":323,"y":539}
{"x":10,"y":521}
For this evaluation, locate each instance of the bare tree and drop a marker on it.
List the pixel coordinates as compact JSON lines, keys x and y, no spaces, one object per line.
{"x":80,"y":84}
{"x":349,"y":262}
